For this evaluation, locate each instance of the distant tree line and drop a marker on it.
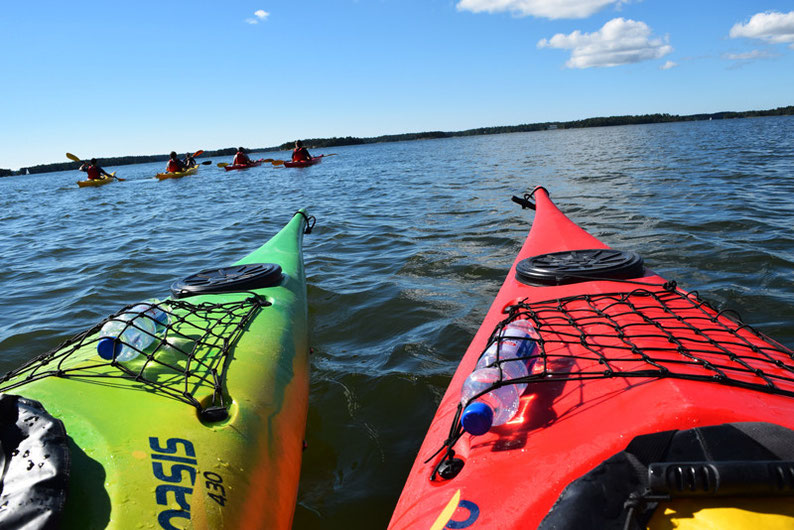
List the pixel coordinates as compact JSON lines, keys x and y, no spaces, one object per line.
{"x":313,"y":143}
{"x":530,"y":127}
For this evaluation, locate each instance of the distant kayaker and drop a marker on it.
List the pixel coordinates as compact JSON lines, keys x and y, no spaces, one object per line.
{"x":189,"y":160}
{"x":240,"y":158}
{"x":300,"y":153}
{"x":94,"y":171}
{"x":174,"y":164}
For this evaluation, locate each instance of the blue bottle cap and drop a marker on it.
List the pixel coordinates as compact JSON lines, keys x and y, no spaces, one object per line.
{"x":107,"y":346}
{"x":477,"y":418}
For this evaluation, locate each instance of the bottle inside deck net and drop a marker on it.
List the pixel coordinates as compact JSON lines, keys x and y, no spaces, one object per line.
{"x":131,"y":332}
{"x":492,"y":408}
{"x":516,"y":341}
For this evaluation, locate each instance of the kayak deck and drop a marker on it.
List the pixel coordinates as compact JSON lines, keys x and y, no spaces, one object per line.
{"x":304,"y":163}
{"x":617,"y":358}
{"x":178,"y":174}
{"x":96,"y":182}
{"x":255,"y":163}
{"x":202,"y":430}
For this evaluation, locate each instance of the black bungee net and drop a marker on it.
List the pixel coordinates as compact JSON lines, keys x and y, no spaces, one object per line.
{"x":702,"y":344}
{"x":190,"y":354}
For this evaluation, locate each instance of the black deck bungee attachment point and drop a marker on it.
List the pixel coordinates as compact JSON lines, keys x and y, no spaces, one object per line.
{"x":310,"y":221}
{"x":572,"y":266}
{"x":229,"y":280}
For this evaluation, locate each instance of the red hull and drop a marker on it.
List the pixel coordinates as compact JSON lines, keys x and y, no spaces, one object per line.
{"x":306,"y":163}
{"x":513,"y":474}
{"x":244,"y":166}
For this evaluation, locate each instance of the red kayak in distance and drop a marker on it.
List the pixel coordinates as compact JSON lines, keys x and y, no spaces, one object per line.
{"x":643,"y":405}
{"x":245,"y":166}
{"x":305,"y":163}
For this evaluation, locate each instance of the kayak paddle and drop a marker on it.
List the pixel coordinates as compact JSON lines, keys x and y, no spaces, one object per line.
{"x":70,"y":156}
{"x":206,"y":162}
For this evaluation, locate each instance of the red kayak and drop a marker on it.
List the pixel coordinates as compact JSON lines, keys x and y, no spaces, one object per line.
{"x":245,"y":166}
{"x":305,"y":163}
{"x":642,"y":406}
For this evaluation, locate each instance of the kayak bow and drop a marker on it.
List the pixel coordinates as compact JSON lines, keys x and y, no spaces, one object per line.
{"x":638,"y":392}
{"x":206,"y":431}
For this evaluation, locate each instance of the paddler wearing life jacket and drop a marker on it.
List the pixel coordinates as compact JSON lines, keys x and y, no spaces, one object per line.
{"x":189,"y":160}
{"x":93,"y":170}
{"x":300,"y":153}
{"x":240,"y":158}
{"x":174,"y":164}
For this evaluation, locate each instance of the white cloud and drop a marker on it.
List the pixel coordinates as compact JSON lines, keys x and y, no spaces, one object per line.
{"x":772,"y":27}
{"x":539,"y":8}
{"x":619,"y":42}
{"x":260,"y":14}
{"x":668,"y":65}
{"x":747,"y":56}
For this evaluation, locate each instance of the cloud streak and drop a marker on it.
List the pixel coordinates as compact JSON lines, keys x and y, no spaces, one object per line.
{"x":771,"y":27}
{"x":748,"y":56}
{"x":619,"y":41}
{"x":260,"y":14}
{"x":552,"y":9}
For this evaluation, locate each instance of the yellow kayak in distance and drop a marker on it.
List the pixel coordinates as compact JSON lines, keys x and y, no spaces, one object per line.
{"x":96,"y":182}
{"x":179,"y":174}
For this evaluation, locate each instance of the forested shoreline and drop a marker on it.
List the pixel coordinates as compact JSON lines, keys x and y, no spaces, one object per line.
{"x":313,"y":143}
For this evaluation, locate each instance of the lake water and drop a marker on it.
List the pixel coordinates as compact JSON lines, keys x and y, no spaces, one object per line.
{"x":413,"y":240}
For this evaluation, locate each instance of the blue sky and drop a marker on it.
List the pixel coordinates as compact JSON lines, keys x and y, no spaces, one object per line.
{"x":118,"y":78}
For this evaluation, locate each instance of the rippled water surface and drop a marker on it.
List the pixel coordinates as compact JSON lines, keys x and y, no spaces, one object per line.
{"x":413,"y":240}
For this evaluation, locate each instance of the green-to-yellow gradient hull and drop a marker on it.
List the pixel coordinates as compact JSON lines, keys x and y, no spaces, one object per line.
{"x":143,"y":459}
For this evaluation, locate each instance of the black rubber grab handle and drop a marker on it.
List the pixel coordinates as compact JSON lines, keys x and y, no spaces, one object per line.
{"x":722,"y":479}
{"x":524,"y":201}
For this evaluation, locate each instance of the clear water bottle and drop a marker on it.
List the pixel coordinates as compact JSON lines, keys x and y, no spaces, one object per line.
{"x":131,"y":332}
{"x":517,"y":340}
{"x":493,"y":408}
{"x":511,"y":369}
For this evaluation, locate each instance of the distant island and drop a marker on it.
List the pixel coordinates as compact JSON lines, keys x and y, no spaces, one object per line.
{"x":313,"y":143}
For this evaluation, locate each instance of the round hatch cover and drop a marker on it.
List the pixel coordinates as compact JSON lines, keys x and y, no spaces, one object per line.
{"x":228,"y":280}
{"x":572,"y":266}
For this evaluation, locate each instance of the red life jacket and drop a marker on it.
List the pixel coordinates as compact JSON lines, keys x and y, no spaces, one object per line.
{"x":93,"y":172}
{"x":299,"y":154}
{"x":173,"y":166}
{"x":241,"y":159}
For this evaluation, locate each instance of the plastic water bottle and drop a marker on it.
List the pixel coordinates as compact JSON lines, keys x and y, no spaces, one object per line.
{"x":493,"y":408}
{"x":131,"y":332}
{"x":517,"y":340}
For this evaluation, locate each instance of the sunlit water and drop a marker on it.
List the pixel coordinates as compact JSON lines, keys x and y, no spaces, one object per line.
{"x":412,"y":242}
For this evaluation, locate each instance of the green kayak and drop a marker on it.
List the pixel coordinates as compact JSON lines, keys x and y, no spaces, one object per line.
{"x":203,"y":428}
